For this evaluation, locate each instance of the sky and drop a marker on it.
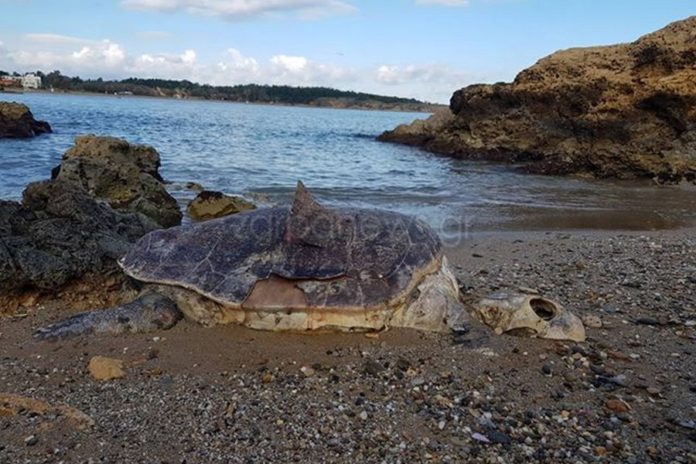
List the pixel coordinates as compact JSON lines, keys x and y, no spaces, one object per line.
{"x":411,"y":48}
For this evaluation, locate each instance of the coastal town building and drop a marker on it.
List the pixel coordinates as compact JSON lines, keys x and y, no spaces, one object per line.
{"x":7,"y":82}
{"x":31,"y":81}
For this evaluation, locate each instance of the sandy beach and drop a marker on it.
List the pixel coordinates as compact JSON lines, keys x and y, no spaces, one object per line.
{"x":227,"y":394}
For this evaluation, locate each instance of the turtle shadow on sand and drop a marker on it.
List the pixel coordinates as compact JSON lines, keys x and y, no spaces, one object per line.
{"x":303,"y":268}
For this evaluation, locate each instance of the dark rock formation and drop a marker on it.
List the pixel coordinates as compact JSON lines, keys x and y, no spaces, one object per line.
{"x":126,"y":175}
{"x":16,"y":121}
{"x":59,"y":233}
{"x":624,"y":111}
{"x":211,"y":205}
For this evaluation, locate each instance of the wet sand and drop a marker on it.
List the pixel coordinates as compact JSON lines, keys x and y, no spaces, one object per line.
{"x":229,"y":394}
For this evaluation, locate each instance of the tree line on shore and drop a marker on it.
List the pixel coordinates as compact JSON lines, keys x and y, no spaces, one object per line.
{"x":252,"y":93}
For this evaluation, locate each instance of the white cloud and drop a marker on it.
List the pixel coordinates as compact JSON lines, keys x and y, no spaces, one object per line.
{"x":240,"y":9}
{"x":163,"y":66}
{"x":240,"y":62}
{"x":104,"y":56}
{"x":189,"y":57}
{"x":290,"y":64}
{"x":443,"y":2}
{"x":433,"y":82}
{"x":395,"y":75}
{"x":388,"y":74}
{"x":299,"y":70}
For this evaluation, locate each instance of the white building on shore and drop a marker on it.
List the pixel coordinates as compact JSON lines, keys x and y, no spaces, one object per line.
{"x":31,"y":81}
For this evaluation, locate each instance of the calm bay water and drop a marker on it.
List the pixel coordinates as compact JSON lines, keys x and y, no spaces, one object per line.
{"x":254,"y":149}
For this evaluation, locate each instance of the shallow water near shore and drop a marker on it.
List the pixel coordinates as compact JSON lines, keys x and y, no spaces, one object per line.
{"x":262,"y":150}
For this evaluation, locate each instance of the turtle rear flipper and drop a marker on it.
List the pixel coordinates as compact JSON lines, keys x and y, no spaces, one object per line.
{"x":150,"y":311}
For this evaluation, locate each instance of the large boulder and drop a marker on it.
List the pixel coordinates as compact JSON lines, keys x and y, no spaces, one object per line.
{"x":59,"y":233}
{"x":623,"y":111}
{"x":124,"y":174}
{"x":16,"y":121}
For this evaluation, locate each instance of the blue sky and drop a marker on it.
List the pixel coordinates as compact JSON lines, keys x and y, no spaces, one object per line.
{"x":421,"y":48}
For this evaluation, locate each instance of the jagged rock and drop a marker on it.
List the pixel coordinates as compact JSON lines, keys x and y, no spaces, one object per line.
{"x":58,"y":233}
{"x":210,"y":205}
{"x":16,"y":121}
{"x":624,"y":111}
{"x":126,"y":175}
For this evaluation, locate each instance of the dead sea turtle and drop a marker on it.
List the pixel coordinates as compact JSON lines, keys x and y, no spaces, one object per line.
{"x":301,"y":268}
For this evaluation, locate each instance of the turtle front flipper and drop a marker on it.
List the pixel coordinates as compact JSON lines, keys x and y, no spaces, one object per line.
{"x":150,"y":311}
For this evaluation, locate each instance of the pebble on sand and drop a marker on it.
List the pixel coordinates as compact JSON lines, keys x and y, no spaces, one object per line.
{"x":103,"y":368}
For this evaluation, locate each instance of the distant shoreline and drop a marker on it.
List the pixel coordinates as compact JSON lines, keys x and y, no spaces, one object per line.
{"x":433,"y":107}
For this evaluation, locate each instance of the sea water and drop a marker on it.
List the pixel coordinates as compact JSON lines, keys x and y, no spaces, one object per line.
{"x":262,"y":151}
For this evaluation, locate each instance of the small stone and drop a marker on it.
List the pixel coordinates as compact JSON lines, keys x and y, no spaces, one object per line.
{"x":363,"y":415}
{"x":687,"y":424}
{"x":499,"y":437}
{"x":307,"y":371}
{"x":30,"y":299}
{"x":546,"y":370}
{"x":597,"y":369}
{"x":195,"y":186}
{"x":441,"y":425}
{"x":403,"y":364}
{"x":615,"y":354}
{"x":31,"y":440}
{"x":103,"y":368}
{"x":617,"y":406}
{"x":528,"y":290}
{"x":647,"y":321}
{"x":619,"y":380}
{"x":592,"y":321}
{"x":372,"y":367}
{"x":267,"y":378}
{"x":479,"y":437}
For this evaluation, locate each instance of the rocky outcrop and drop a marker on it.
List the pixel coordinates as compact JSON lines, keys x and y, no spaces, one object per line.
{"x":16,"y":121}
{"x":622,"y":111}
{"x":125,"y":175}
{"x":59,"y":233}
{"x":211,"y":205}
